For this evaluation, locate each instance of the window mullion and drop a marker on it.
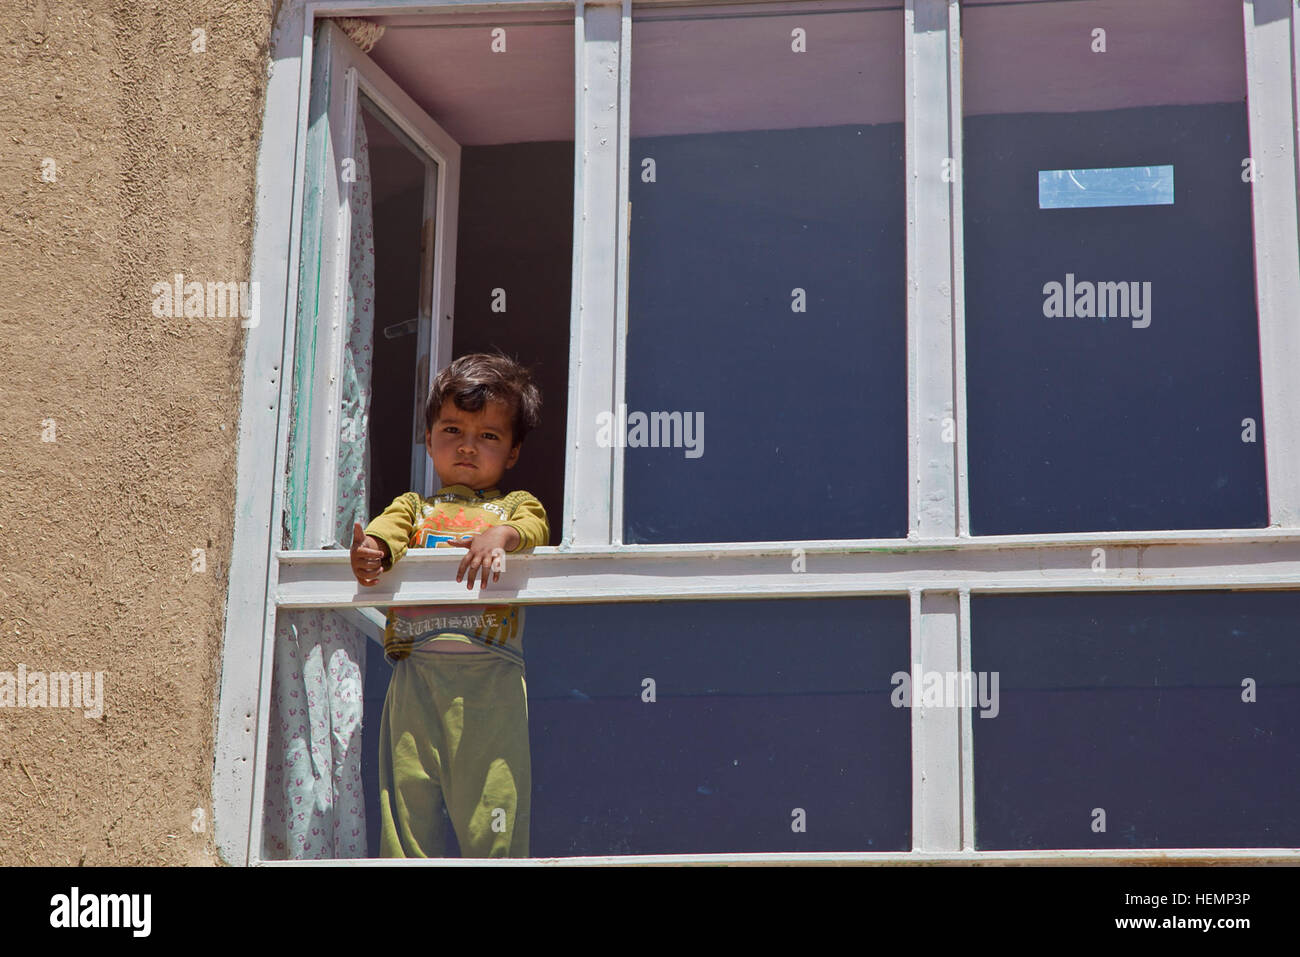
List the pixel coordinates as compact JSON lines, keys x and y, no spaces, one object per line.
{"x":936,"y":731}
{"x":966,"y":754}
{"x":1271,"y":86}
{"x":956,"y":116}
{"x":589,"y":469}
{"x":929,"y":121}
{"x":622,"y":243}
{"x":932,"y":118}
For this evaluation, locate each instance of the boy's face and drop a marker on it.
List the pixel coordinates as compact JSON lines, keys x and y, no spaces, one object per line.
{"x":472,"y":448}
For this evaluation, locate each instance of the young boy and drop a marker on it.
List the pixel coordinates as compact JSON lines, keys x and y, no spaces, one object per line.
{"x":455,"y":724}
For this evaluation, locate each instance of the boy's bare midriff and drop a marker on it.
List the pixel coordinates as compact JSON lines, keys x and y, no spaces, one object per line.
{"x":448,"y":645}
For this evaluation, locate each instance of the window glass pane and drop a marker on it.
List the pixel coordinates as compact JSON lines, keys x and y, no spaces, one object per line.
{"x":760,"y":708}
{"x":399,"y":177}
{"x":1175,"y":715}
{"x":1111,"y":331}
{"x":767,"y":298}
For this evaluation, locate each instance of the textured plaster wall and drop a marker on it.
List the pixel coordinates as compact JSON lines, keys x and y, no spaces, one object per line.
{"x":153,"y":146}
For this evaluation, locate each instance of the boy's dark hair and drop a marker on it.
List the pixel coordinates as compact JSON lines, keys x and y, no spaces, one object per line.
{"x":481,"y":377}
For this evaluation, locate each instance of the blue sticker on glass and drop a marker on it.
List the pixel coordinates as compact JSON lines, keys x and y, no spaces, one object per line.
{"x":1115,"y":186}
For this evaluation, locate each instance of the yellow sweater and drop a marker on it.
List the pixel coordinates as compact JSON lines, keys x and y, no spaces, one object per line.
{"x":413,"y":521}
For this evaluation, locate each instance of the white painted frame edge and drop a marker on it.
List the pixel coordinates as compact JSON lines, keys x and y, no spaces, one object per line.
{"x":599,"y":147}
{"x":324,"y":579}
{"x":274,"y":263}
{"x":1272,"y":32}
{"x":936,"y":732}
{"x":956,"y":217}
{"x":966,"y":746}
{"x":931,"y":371}
{"x":623,"y":275}
{"x":266,"y":650}
{"x":1085,"y":856}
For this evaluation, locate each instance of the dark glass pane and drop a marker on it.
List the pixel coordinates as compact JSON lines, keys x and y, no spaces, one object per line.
{"x":767,"y":296}
{"x":398,"y":174}
{"x":1092,"y":406}
{"x":761,"y":708}
{"x":1133,"y":703}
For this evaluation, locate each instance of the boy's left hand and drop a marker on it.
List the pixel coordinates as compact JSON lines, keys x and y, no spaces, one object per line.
{"x":482,"y":549}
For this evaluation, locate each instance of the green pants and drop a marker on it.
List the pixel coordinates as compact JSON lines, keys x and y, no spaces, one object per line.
{"x":454,"y":732}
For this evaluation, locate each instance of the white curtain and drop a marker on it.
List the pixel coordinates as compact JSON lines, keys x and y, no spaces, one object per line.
{"x":315,"y":804}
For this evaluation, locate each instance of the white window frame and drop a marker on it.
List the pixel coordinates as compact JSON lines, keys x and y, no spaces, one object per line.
{"x":938,"y":567}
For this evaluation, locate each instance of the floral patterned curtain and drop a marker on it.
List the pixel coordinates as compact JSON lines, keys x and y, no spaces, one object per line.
{"x":315,"y":805}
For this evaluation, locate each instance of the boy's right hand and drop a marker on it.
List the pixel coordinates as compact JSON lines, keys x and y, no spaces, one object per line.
{"x":367,"y":556}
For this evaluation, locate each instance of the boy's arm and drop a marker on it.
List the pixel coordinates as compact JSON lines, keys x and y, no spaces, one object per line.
{"x":528,"y":518}
{"x":393,"y":527}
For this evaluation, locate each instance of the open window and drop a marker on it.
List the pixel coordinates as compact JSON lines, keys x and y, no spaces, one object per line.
{"x":378,"y":263}
{"x":420,"y":242}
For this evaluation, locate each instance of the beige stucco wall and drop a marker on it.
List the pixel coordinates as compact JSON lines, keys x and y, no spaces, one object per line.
{"x":154,"y":147}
